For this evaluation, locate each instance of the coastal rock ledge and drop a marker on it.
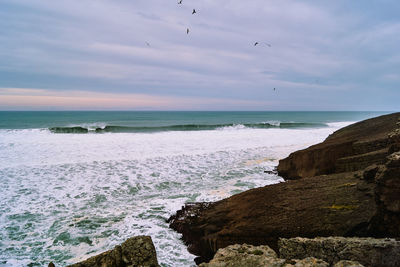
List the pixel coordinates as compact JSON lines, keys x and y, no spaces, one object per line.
{"x":349,"y":186}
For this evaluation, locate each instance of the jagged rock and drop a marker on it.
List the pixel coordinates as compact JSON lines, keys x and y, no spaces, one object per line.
{"x":386,"y":221}
{"x":136,"y":251}
{"x":346,"y":263}
{"x":367,"y":251}
{"x":370,"y":172}
{"x":335,"y":205}
{"x":257,"y":256}
{"x":308,"y":262}
{"x":245,"y":256}
{"x":339,"y":204}
{"x":349,"y":149}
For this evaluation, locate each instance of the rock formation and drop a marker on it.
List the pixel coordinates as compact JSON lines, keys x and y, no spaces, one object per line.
{"x":334,"y":197}
{"x":136,"y":251}
{"x":263,"y":256}
{"x":367,"y":251}
{"x":351,"y":148}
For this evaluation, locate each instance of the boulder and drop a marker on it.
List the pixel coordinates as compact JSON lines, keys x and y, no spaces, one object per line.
{"x":136,"y":251}
{"x":346,"y":263}
{"x":367,"y":251}
{"x":257,"y":256}
{"x":245,"y":256}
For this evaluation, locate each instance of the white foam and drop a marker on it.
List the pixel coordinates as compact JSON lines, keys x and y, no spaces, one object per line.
{"x":108,"y":187}
{"x":341,"y":124}
{"x":273,"y":123}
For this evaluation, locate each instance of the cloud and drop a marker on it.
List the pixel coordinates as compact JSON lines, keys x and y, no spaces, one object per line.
{"x":95,"y":46}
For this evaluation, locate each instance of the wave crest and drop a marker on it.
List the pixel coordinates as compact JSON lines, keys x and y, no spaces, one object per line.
{"x":184,"y":127}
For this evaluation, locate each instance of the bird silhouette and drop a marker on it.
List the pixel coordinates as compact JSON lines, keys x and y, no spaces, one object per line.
{"x":194,"y":11}
{"x":274,"y":89}
{"x":256,"y":43}
{"x":179,"y":2}
{"x":187,"y":31}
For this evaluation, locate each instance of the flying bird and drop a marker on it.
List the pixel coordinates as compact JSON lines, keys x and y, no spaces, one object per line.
{"x":194,"y":11}
{"x":274,"y":89}
{"x":187,"y":31}
{"x":179,"y":2}
{"x":256,"y":43}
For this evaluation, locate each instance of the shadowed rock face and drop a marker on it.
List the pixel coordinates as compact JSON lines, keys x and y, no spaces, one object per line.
{"x":356,"y":203}
{"x":349,"y":149}
{"x":136,"y":251}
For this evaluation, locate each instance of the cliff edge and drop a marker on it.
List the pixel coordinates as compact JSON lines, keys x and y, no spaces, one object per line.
{"x":349,"y":186}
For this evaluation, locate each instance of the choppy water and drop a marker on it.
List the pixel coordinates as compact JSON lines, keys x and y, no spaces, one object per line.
{"x":67,"y":196}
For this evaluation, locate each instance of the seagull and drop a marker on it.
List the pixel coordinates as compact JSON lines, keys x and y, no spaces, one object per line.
{"x":179,"y":2}
{"x":187,"y":31}
{"x":194,"y":11}
{"x":256,"y":43}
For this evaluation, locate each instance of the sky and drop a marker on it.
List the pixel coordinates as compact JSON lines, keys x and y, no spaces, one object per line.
{"x":137,"y":55}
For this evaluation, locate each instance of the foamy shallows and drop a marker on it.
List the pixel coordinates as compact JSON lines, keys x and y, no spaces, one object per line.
{"x":65,"y":197}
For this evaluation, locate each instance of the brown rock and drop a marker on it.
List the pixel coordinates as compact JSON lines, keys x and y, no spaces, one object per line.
{"x":136,"y":251}
{"x":368,"y":251}
{"x":345,"y":263}
{"x":317,"y":206}
{"x":349,"y":149}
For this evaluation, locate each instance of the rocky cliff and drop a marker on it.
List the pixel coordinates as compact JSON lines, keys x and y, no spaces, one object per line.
{"x":349,"y":149}
{"x":335,"y":197}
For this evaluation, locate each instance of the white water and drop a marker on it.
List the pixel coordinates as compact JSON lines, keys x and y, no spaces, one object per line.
{"x":65,"y":197}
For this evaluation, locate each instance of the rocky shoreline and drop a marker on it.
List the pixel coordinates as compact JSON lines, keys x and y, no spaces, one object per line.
{"x":339,"y":206}
{"x":346,"y":186}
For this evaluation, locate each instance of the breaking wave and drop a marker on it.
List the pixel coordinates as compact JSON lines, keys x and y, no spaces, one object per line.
{"x":184,"y":127}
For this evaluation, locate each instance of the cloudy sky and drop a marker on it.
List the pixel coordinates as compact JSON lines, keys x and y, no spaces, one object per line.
{"x":136,"y":55}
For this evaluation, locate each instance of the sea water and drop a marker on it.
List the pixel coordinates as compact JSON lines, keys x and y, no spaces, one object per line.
{"x":74,"y":184}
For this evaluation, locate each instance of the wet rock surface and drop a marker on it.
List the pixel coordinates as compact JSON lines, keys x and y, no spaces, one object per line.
{"x":367,"y":251}
{"x":136,"y":251}
{"x":328,"y":200}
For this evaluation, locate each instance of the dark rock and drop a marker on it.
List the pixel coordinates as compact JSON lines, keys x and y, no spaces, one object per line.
{"x":359,"y":203}
{"x":136,"y":251}
{"x":317,"y":206}
{"x":370,"y":172}
{"x":51,"y":264}
{"x":367,"y":251}
{"x":386,"y":221}
{"x":349,"y":149}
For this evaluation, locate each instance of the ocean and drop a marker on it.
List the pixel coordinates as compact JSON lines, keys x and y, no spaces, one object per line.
{"x":74,"y":184}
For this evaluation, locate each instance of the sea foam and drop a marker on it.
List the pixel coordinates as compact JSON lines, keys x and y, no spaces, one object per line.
{"x":68,"y":196}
